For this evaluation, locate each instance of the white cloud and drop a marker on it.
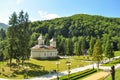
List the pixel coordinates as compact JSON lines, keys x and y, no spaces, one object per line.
{"x":46,"y":16}
{"x":19,"y":1}
{"x":4,"y":21}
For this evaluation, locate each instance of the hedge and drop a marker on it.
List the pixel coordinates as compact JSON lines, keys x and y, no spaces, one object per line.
{"x":78,"y":74}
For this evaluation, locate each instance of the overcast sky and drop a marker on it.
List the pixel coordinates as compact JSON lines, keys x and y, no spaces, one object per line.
{"x":49,"y":9}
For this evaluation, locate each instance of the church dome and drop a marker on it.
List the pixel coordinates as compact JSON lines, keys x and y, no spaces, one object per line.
{"x":53,"y":39}
{"x":40,"y":37}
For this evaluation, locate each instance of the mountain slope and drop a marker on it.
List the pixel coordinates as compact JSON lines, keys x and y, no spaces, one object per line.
{"x":4,"y":26}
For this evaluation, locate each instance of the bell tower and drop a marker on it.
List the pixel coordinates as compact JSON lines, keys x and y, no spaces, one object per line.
{"x":40,"y":40}
{"x":53,"y":42}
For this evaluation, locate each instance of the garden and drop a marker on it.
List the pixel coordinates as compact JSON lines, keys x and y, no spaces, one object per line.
{"x":34,"y":67}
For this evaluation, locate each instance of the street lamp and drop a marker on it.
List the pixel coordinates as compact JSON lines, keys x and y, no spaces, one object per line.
{"x":68,"y":64}
{"x":57,"y":63}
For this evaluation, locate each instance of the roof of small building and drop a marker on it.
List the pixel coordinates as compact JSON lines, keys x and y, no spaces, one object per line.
{"x":40,"y":37}
{"x":43,"y":47}
{"x":53,"y":39}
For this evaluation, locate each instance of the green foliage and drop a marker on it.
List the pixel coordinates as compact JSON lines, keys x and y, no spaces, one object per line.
{"x":18,"y":37}
{"x":92,"y":42}
{"x":109,"y":49}
{"x":2,"y":34}
{"x":111,"y":63}
{"x":97,"y":52}
{"x":80,"y":25}
{"x":78,"y":75}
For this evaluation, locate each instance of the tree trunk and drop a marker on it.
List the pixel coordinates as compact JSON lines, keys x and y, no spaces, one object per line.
{"x":98,"y":64}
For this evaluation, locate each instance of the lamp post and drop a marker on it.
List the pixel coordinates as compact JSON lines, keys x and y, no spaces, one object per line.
{"x":57,"y":63}
{"x":68,"y":64}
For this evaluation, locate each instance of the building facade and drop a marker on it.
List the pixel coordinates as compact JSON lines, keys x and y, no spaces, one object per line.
{"x":41,"y":51}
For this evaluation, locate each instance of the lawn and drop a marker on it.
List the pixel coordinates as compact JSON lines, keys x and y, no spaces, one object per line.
{"x":117,"y":75}
{"x":114,"y":62}
{"x":117,"y":53}
{"x":51,"y":64}
{"x":37,"y":67}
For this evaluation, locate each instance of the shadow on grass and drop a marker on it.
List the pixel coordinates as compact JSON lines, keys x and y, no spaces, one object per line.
{"x":33,"y":70}
{"x":49,"y":59}
{"x":34,"y":73}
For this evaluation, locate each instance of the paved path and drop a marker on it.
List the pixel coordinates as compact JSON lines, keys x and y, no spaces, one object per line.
{"x":97,"y":75}
{"x":52,"y":76}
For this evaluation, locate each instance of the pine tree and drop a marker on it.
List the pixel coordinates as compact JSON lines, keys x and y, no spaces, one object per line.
{"x":91,"y":44}
{"x":11,"y":31}
{"x":97,"y":52}
{"x":83,"y":46}
{"x":109,"y":49}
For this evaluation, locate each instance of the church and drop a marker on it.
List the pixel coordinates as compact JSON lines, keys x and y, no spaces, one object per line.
{"x":42,"y":51}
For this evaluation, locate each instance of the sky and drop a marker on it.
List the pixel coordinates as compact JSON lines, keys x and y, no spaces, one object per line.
{"x":50,"y":9}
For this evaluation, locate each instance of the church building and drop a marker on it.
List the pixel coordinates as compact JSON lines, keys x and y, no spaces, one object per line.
{"x":42,"y":51}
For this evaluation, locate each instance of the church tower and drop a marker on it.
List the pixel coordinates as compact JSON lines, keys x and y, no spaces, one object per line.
{"x":40,"y":40}
{"x":53,"y":42}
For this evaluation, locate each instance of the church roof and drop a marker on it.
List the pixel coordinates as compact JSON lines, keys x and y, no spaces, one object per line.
{"x":40,"y":37}
{"x":43,"y":47}
{"x":53,"y":39}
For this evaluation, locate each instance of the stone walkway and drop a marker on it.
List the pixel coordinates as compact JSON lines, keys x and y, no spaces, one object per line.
{"x":97,"y":76}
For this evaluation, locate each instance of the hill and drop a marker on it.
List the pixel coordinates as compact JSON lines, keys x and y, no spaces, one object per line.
{"x":68,"y":31}
{"x":78,"y":25}
{"x":4,"y":26}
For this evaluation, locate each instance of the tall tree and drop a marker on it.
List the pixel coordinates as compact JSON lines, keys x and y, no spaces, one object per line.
{"x":18,"y":36}
{"x":109,"y":49}
{"x":11,"y":31}
{"x":83,"y":46}
{"x":97,"y":52}
{"x":91,"y":46}
{"x":68,"y":46}
{"x":23,"y":36}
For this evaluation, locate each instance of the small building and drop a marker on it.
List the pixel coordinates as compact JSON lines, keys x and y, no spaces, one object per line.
{"x":42,"y":51}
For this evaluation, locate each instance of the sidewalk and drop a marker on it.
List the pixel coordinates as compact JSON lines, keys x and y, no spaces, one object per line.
{"x":97,"y":75}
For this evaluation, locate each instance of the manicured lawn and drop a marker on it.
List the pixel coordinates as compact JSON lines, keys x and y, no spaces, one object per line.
{"x":51,"y":64}
{"x":117,"y":75}
{"x":114,"y":62}
{"x":87,"y":58}
{"x":117,"y":53}
{"x":37,"y":67}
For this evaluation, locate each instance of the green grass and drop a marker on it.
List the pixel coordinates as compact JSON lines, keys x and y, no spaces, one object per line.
{"x":117,"y":53}
{"x":87,"y":58}
{"x":37,"y":67}
{"x":78,"y":75}
{"x":51,"y":64}
{"x":114,"y":62}
{"x":117,"y":75}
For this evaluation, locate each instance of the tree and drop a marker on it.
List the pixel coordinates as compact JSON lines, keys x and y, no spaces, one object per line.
{"x":77,"y":46}
{"x":109,"y":49}
{"x":23,"y":36}
{"x":83,"y":46}
{"x":18,"y":37}
{"x":2,"y":34}
{"x":68,"y":46}
{"x":91,"y":44}
{"x":97,"y":52}
{"x":11,"y":31}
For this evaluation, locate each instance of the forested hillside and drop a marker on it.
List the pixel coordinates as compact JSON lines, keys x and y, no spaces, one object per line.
{"x":76,"y":33}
